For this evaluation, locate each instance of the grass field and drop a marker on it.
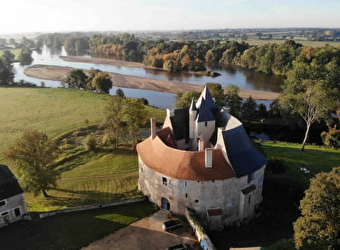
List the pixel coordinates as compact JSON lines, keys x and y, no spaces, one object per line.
{"x":71,"y":231}
{"x":315,"y":158}
{"x":16,"y":52}
{"x":93,"y":177}
{"x":303,"y":42}
{"x":49,"y":110}
{"x":86,"y":177}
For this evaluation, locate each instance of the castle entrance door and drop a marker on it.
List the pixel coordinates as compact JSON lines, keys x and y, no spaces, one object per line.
{"x":165,"y":204}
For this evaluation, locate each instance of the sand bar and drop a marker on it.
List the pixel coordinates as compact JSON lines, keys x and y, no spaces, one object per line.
{"x":58,"y":73}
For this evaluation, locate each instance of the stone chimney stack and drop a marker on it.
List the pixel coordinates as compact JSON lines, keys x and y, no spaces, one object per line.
{"x":201,"y":145}
{"x":153,"y":127}
{"x":208,"y":157}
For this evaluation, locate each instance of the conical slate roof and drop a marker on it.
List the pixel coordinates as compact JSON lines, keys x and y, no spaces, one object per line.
{"x":207,"y":99}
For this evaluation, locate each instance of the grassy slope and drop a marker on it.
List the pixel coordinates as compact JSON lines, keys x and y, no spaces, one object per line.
{"x":53,"y":111}
{"x":91,"y":177}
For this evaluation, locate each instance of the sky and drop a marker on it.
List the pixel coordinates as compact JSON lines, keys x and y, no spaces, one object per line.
{"x":18,"y":16}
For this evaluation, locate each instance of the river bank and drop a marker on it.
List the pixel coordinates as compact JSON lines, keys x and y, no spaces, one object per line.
{"x":59,"y":73}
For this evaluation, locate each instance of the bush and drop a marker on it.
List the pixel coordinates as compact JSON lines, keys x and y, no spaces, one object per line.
{"x":275,"y":166}
{"x":90,"y":143}
{"x":331,"y":138}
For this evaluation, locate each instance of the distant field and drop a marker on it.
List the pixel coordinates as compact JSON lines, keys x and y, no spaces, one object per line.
{"x":305,"y":43}
{"x":16,"y":52}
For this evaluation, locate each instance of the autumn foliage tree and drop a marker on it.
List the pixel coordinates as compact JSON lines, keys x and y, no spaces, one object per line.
{"x":34,"y":155}
{"x":320,"y":212}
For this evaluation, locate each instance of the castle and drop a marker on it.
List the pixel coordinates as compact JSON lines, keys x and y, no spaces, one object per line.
{"x":202,"y":159}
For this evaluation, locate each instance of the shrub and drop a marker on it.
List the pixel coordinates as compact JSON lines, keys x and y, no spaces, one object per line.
{"x":331,"y":138}
{"x":90,"y":143}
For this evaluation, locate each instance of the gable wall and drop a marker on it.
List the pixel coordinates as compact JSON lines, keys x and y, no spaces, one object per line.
{"x":13,"y":202}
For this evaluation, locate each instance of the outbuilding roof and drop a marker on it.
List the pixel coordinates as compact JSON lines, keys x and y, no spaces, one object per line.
{"x":8,"y":183}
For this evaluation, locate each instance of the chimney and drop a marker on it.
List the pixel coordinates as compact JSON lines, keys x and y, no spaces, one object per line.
{"x":201,"y":145}
{"x":153,"y":127}
{"x":208,"y":157}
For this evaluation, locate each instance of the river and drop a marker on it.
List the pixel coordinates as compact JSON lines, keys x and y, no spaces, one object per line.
{"x":244,"y":79}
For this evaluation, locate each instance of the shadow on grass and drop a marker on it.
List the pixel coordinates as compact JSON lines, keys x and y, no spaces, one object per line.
{"x":73,"y":230}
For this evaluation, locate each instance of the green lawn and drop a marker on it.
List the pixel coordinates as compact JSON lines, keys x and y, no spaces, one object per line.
{"x":91,"y":178}
{"x":315,"y":158}
{"x":73,"y":230}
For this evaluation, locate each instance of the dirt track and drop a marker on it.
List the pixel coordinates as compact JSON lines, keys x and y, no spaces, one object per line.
{"x":146,"y":234}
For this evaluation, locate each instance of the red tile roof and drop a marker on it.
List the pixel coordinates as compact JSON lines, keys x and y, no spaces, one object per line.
{"x":180,"y":164}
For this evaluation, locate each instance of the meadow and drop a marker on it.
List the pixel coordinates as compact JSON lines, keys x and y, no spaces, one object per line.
{"x":86,"y":177}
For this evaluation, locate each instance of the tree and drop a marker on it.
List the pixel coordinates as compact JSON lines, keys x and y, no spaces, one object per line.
{"x":101,"y":82}
{"x":8,"y":58}
{"x":120,"y":93}
{"x":183,"y":100}
{"x":76,"y":79}
{"x":34,"y":155}
{"x":6,"y":76}
{"x":113,"y":119}
{"x":320,"y":212}
{"x":216,"y":92}
{"x":25,"y":56}
{"x":232,"y":99}
{"x":312,"y":100}
{"x":248,"y":109}
{"x":136,"y":117}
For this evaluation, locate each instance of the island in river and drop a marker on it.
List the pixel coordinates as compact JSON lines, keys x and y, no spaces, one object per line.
{"x":58,"y":73}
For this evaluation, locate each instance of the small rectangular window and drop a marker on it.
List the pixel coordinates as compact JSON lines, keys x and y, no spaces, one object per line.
{"x":17,"y":212}
{"x":205,"y":123}
{"x":3,"y":203}
{"x":165,"y":181}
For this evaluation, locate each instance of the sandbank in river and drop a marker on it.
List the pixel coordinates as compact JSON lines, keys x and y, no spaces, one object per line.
{"x":58,"y":73}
